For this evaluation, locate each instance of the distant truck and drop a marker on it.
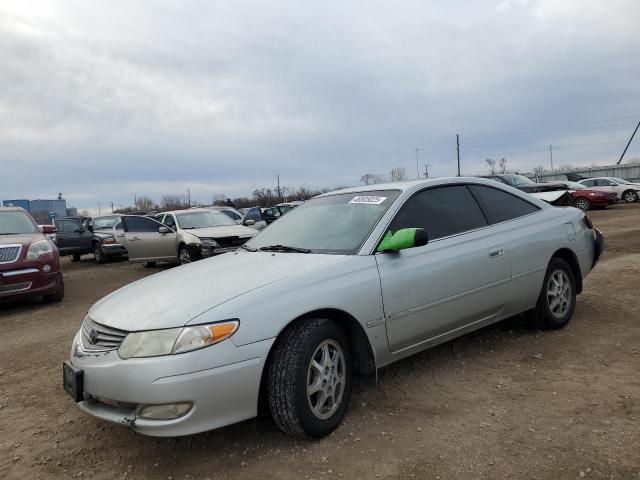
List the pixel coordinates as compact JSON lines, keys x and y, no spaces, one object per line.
{"x":77,"y":236}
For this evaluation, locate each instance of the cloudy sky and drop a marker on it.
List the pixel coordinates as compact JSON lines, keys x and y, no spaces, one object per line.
{"x":102,"y":100}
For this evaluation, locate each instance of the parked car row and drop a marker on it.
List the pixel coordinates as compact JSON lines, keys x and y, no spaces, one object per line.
{"x":585,"y":194}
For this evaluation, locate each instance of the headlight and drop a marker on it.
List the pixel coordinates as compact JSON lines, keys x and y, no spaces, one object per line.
{"x":41,"y":247}
{"x":108,"y":240}
{"x":175,"y":340}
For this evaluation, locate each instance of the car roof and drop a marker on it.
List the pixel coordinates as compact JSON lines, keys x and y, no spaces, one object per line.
{"x":413,"y":185}
{"x":12,"y":209}
{"x":187,"y":210}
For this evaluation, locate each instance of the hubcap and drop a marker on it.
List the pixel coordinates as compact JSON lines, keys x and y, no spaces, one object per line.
{"x":325,"y":379}
{"x":630,"y":197}
{"x":582,"y":204}
{"x":184,"y":256}
{"x":559,"y":293}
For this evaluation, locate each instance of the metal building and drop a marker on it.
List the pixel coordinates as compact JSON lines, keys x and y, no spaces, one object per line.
{"x":629,"y":172}
{"x":22,"y":203}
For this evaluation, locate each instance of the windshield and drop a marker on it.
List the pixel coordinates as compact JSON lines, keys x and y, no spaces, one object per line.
{"x":105,"y":222}
{"x":619,"y":180}
{"x":16,"y":222}
{"x":336,"y":224}
{"x":205,"y":219}
{"x":515,"y":180}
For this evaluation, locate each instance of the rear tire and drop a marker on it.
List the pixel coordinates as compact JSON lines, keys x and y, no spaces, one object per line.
{"x":630,"y":196}
{"x":557,"y":299}
{"x":75,"y":257}
{"x":148,"y":264}
{"x":310,"y":378}
{"x":582,"y":203}
{"x":57,"y":295}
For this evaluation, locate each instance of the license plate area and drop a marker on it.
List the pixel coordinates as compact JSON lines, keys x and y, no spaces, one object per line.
{"x":73,"y":381}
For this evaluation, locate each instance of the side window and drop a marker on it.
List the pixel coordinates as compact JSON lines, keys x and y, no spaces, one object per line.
{"x":441,"y":211}
{"x":67,"y":226}
{"x":140,"y":224}
{"x":588,"y":183}
{"x":254,"y":214}
{"x":169,"y":221}
{"x":119,"y":226}
{"x":604,"y":183}
{"x":500,"y":206}
{"x":232,"y":215}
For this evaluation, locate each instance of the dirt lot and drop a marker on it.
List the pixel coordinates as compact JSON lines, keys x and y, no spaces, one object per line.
{"x":505,"y":402}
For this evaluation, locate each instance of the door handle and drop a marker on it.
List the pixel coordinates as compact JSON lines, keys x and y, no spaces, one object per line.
{"x":496,"y":251}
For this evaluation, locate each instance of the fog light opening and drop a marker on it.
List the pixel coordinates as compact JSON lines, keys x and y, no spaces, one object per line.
{"x":46,"y":268}
{"x":169,"y":411}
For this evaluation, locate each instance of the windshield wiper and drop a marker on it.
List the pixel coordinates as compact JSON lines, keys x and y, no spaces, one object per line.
{"x":283,"y":248}
{"x":248,"y":248}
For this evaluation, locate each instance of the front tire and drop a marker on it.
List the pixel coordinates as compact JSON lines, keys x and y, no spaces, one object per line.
{"x":630,"y":196}
{"x":310,"y":378}
{"x":184,"y":255}
{"x":57,"y":295}
{"x":99,"y":254}
{"x":557,"y":299}
{"x":75,"y":257}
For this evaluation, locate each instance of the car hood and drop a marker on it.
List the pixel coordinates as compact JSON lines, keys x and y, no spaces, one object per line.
{"x":103,"y":233}
{"x":224,"y":231}
{"x":174,"y":297}
{"x":24,"y":239}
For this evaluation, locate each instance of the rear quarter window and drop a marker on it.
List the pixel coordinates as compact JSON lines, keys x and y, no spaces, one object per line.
{"x":500,"y":206}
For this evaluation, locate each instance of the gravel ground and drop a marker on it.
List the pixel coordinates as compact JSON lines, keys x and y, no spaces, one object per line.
{"x":504,"y":402}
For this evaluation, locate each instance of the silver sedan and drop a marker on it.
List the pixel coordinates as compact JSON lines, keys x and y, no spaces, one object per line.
{"x":343,"y":285}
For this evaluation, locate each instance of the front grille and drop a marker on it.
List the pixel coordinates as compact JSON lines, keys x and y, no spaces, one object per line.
{"x":96,"y":337}
{"x":9,"y":253}
{"x":230,"y":242}
{"x":15,"y":287}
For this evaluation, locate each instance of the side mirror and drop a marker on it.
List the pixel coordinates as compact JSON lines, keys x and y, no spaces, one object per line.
{"x":249,"y":222}
{"x":48,"y":229}
{"x":164,"y":230}
{"x":403,"y":239}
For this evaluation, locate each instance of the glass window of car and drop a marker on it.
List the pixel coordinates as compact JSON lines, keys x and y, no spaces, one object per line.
{"x":620,"y":181}
{"x":231,"y":214}
{"x":105,"y":222}
{"x":588,"y":183}
{"x":333,"y":224}
{"x":119,"y":226}
{"x":203,"y":219}
{"x":271,"y":212}
{"x":67,"y":226}
{"x":16,"y":221}
{"x":574,"y":185}
{"x":254,"y":214}
{"x":517,"y":180}
{"x":139,"y":224}
{"x":169,"y":221}
{"x":500,"y":206}
{"x":603,"y":182}
{"x":441,"y":211}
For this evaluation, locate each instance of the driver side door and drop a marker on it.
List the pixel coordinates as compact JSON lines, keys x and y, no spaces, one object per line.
{"x":145,"y":242}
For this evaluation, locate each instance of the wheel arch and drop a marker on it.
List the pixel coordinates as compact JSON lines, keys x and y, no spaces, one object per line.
{"x":570,"y":257}
{"x":363,"y":354}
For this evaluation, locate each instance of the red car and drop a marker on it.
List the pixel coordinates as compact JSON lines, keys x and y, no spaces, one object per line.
{"x":586,"y":198}
{"x":29,"y":261}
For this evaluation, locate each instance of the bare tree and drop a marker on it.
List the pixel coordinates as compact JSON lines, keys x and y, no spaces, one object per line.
{"x":565,"y":168}
{"x":371,"y":178}
{"x":398,"y":174}
{"x":219,"y":199}
{"x":174,"y":202}
{"x":144,"y":203}
{"x":503,"y":165}
{"x":491,"y":164}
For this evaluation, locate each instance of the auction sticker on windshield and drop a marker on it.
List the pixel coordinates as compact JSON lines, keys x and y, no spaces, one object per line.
{"x":368,"y":199}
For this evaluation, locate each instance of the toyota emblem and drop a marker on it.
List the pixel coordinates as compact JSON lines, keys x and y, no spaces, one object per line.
{"x":93,"y":337}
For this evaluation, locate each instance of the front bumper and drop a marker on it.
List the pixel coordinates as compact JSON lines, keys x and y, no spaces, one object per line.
{"x":221,"y":382}
{"x":27,"y":282}
{"x":114,"y":249}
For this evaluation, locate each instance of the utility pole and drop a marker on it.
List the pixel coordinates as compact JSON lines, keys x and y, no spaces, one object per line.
{"x":111,"y":203}
{"x":458,"y":150}
{"x":551,"y":156}
{"x":99,"y":211}
{"x":628,"y":143}
{"x":417,"y":166}
{"x":189,"y":196}
{"x":426,"y":170}
{"x":278,"y":189}
{"x":135,"y":199}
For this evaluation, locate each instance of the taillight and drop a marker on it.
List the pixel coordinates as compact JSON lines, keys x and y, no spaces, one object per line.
{"x":587,"y":222}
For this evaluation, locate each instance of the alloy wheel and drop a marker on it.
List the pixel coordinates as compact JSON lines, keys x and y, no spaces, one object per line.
{"x":184,"y":256}
{"x":559,"y":293}
{"x":630,"y":196}
{"x":582,"y":204}
{"x":326,"y":379}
